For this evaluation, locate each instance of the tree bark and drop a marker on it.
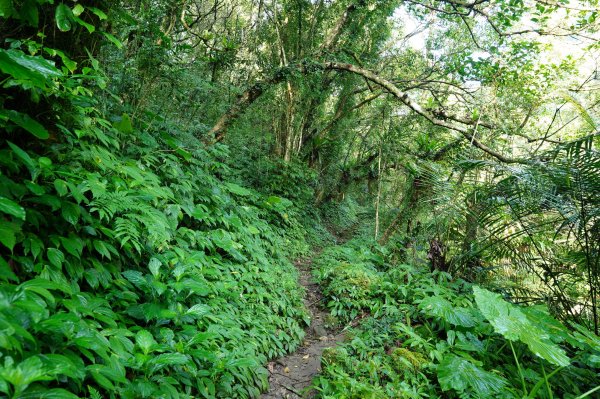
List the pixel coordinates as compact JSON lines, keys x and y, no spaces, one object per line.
{"x":218,"y":131}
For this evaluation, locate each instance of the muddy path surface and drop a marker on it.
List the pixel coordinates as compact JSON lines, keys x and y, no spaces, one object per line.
{"x":291,"y":375}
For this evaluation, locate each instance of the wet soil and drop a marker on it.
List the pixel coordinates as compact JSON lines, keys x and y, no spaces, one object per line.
{"x":291,"y":376}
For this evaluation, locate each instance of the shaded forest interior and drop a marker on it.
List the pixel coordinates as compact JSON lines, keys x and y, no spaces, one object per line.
{"x":432,"y":164}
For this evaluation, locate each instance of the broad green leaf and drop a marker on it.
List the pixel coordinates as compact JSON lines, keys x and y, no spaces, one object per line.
{"x":12,"y":208}
{"x":586,"y":336}
{"x":513,"y":324}
{"x":4,"y":386}
{"x":25,"y":373}
{"x":145,"y":341}
{"x":78,"y":10}
{"x":114,"y":371}
{"x":102,"y":381}
{"x":238,"y":190}
{"x":124,"y":125}
{"x":154,"y":267}
{"x":55,"y":256}
{"x":100,"y":246}
{"x":184,"y":154}
{"x":99,"y":13}
{"x":200,"y":213}
{"x":113,"y":40}
{"x":73,"y":245}
{"x":222,"y":239}
{"x":63,"y":365}
{"x":505,"y":319}
{"x":541,"y":318}
{"x":541,"y":346}
{"x":69,"y":63}
{"x":461,"y":375}
{"x":44,"y":162}
{"x":45,"y":393}
{"x":70,"y":212}
{"x":196,"y":287}
{"x":203,"y":337}
{"x":61,"y":187}
{"x":167,"y":359}
{"x":135,"y":277}
{"x":63,"y":17}
{"x":35,"y":69}
{"x":442,"y":308}
{"x":8,"y":233}
{"x":241,"y":362}
{"x":90,"y":28}
{"x":159,"y":286}
{"x":36,"y":246}
{"x":35,"y":188}
{"x":45,"y":284}
{"x":26,"y":122}
{"x":76,"y":193}
{"x":198,"y":310}
{"x":274,"y":200}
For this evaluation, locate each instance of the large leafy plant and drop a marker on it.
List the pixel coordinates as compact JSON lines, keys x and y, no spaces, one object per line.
{"x":127,"y":267}
{"x":457,"y":340}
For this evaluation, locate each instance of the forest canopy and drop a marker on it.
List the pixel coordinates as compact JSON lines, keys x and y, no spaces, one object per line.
{"x":163,"y":163}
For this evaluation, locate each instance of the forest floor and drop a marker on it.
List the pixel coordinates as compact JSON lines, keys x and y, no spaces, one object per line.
{"x":291,"y":375}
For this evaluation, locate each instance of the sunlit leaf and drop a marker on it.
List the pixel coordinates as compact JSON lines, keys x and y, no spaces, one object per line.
{"x":145,"y":341}
{"x":442,"y":308}
{"x":513,"y":324}
{"x":63,"y":17}
{"x":461,"y":375}
{"x":78,"y":10}
{"x":12,"y":208}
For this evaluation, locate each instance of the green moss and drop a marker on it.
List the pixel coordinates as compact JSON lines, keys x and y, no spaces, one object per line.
{"x":405,"y":359}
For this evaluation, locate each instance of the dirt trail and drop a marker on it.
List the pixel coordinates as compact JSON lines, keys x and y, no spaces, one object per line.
{"x":291,"y":375}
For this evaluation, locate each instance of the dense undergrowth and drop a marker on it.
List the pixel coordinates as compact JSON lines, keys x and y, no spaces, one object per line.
{"x":131,"y":263}
{"x":139,"y":258}
{"x":139,"y":274}
{"x":152,"y":278}
{"x":427,"y":335}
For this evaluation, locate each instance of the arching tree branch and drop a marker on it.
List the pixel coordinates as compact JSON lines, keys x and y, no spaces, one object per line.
{"x":462,"y":126}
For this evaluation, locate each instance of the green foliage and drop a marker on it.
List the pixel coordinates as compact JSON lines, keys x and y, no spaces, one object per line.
{"x":138,"y":261}
{"x":551,"y":210}
{"x":342,"y":216}
{"x":514,"y":325}
{"x":135,"y":241}
{"x":461,"y":375}
{"x":425,"y":335}
{"x":128,"y":267}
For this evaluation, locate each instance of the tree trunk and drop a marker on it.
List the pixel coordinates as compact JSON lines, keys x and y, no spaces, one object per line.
{"x":378,"y":200}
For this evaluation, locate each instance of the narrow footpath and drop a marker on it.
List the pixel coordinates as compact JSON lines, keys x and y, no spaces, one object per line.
{"x":290,"y":376}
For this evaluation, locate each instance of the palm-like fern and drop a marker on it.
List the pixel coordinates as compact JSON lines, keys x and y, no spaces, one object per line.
{"x":557,"y":198}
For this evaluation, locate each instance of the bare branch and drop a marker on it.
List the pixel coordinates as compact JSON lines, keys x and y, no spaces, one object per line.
{"x":406,"y":100}
{"x":460,"y":125}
